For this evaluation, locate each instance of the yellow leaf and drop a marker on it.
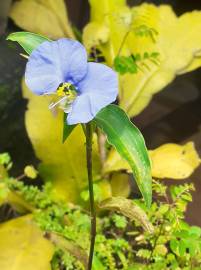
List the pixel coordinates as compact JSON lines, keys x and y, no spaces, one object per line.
{"x":119,"y":19}
{"x":23,"y":246}
{"x":3,"y":172}
{"x":174,"y":161}
{"x":196,"y":63}
{"x":46,"y":17}
{"x":58,"y":7}
{"x":94,"y":34}
{"x":115,"y":163}
{"x":110,"y":16}
{"x":171,"y":161}
{"x":179,"y":49}
{"x":120,"y":185}
{"x":4,"y":191}
{"x":63,"y":164}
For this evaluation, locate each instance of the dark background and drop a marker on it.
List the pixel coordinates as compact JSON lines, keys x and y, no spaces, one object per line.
{"x":174,"y":114}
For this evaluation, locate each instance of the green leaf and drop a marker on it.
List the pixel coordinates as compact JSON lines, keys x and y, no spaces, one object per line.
{"x":129,"y":142}
{"x":125,"y":64}
{"x":182,"y":248}
{"x":97,"y":264}
{"x":132,"y":64}
{"x":194,"y":230}
{"x":174,"y":244}
{"x":4,"y":159}
{"x":67,"y":129}
{"x":28,"y":41}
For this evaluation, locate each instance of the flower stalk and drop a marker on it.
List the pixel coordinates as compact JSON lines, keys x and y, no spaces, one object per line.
{"x":89,"y":134}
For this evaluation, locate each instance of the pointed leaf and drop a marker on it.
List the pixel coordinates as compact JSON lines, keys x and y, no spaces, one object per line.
{"x":28,"y":41}
{"x":129,"y":142}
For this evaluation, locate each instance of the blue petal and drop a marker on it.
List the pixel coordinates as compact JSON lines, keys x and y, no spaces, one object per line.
{"x":54,"y":62}
{"x":98,"y":89}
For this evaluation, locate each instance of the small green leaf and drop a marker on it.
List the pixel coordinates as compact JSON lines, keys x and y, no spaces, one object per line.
{"x":182,"y":248}
{"x":28,"y":41}
{"x":125,"y":64}
{"x":5,"y":159}
{"x":129,"y":142}
{"x":97,"y":264}
{"x":67,"y":129}
{"x":174,"y":244}
{"x":194,"y":230}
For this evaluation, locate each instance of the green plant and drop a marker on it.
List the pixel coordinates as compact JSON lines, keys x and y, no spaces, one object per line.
{"x":121,"y":241}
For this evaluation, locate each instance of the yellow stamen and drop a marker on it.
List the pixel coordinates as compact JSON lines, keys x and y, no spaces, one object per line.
{"x":68,"y":90}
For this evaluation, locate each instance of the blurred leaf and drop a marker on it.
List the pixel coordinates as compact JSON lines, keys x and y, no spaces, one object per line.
{"x":131,"y":64}
{"x":115,"y":163}
{"x":4,"y":191}
{"x":196,"y":63}
{"x":18,"y":203}
{"x":45,"y":17}
{"x":174,"y":161}
{"x":28,"y":41}
{"x":105,"y":189}
{"x":129,"y":143}
{"x":112,"y":19}
{"x":23,"y":246}
{"x":194,"y":248}
{"x":174,"y":245}
{"x":97,"y":264}
{"x":102,"y":191}
{"x":119,"y":221}
{"x":120,"y":184}
{"x":171,"y":161}
{"x":125,"y":64}
{"x":62,"y":164}
{"x":182,"y":248}
{"x":176,"y":46}
{"x":194,"y":230}
{"x":5,"y":159}
{"x":69,"y":246}
{"x":146,"y":28}
{"x":129,"y":209}
{"x":160,"y":250}
{"x":96,"y":33}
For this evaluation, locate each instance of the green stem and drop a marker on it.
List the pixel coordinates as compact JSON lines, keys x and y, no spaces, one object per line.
{"x":91,"y":192}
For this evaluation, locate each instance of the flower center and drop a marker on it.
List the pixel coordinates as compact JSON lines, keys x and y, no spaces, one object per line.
{"x":66,"y":94}
{"x":67,"y":90}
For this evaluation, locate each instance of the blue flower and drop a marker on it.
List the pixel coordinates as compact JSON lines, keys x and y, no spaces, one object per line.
{"x":81,"y":88}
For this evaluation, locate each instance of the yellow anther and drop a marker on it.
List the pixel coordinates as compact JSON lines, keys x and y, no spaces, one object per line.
{"x":67,"y":89}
